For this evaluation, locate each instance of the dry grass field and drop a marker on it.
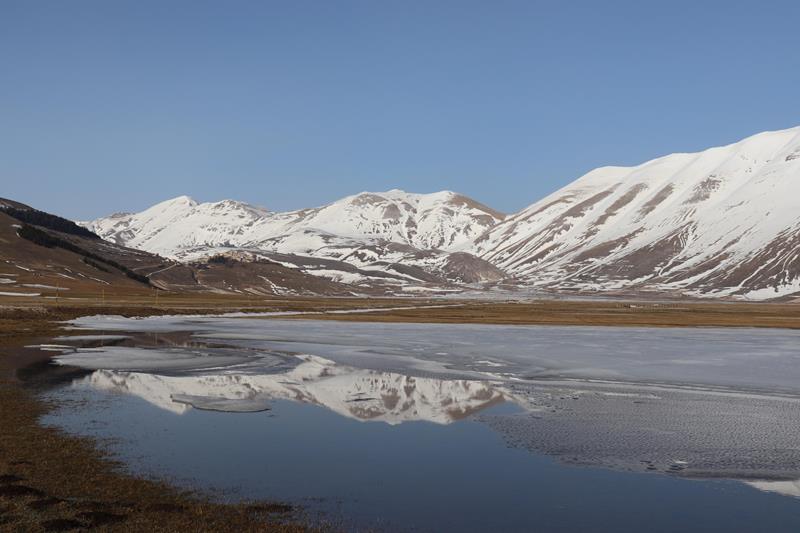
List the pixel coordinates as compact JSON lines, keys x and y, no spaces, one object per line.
{"x":593,"y":313}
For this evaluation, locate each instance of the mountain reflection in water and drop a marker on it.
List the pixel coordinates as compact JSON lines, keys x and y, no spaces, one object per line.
{"x":711,"y":403}
{"x":355,"y":393}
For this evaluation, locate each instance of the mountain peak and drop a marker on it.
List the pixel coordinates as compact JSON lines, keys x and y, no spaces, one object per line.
{"x":179,"y":201}
{"x":435,"y":221}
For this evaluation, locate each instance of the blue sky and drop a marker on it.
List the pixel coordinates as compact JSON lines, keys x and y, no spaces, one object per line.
{"x":109,"y":106}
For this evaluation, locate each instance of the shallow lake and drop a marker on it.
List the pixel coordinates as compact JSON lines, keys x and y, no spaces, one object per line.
{"x":415,"y":427}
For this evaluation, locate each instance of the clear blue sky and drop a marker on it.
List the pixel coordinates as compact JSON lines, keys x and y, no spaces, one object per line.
{"x":112,"y":105}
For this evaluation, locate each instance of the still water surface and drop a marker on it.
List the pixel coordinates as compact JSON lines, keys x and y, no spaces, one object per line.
{"x":471,"y":444}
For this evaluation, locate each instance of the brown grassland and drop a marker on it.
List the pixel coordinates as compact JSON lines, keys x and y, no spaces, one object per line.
{"x":592,"y":313}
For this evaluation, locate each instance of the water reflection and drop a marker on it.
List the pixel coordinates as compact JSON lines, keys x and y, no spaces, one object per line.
{"x":317,"y":406}
{"x":679,"y":431}
{"x":360,"y":394}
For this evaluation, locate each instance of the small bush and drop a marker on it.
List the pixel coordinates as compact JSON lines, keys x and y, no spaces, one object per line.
{"x":96,"y":265}
{"x":220,"y":259}
{"x":38,"y":236}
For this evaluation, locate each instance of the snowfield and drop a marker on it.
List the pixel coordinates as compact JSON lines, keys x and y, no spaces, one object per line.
{"x":754,"y":360}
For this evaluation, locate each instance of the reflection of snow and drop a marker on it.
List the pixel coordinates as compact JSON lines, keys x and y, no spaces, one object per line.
{"x":355,"y":393}
{"x":617,"y":397}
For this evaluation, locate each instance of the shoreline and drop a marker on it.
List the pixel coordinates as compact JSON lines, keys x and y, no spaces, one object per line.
{"x":52,"y":481}
{"x":588,"y":312}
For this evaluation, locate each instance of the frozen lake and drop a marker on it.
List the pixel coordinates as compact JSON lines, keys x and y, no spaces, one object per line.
{"x":430,"y":427}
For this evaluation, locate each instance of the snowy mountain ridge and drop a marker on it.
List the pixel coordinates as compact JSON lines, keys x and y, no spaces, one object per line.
{"x":721,"y":222}
{"x":724,"y":221}
{"x":443,"y":220}
{"x":392,"y":237}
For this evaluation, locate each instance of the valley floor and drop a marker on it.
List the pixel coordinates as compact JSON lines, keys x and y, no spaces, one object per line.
{"x":50,"y":481}
{"x":589,"y":313}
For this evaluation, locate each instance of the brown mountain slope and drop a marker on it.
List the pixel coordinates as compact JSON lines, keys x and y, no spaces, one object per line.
{"x":44,"y":257}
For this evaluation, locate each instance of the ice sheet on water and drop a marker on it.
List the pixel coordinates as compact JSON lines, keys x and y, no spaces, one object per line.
{"x":787,"y":488}
{"x":83,"y":338}
{"x":757,"y":359}
{"x":700,"y":402}
{"x":687,"y":432}
{"x":227,"y":405}
{"x":152,"y":360}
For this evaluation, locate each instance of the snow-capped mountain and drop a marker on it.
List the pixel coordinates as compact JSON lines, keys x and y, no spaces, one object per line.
{"x":722,"y":222}
{"x":392,"y":237}
{"x":725,"y":221}
{"x":181,"y":227}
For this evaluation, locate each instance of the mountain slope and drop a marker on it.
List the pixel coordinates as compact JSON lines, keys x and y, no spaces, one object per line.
{"x":725,"y":221}
{"x":443,"y":220}
{"x":44,"y":256}
{"x":412,"y":237}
